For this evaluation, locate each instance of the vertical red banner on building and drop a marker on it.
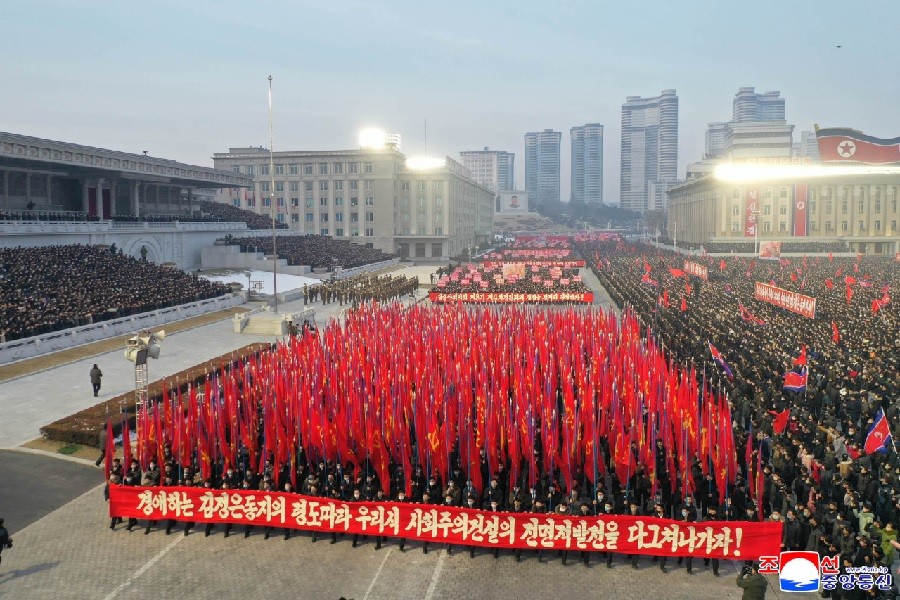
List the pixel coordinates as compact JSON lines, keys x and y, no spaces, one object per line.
{"x":751,"y":212}
{"x":801,"y":204}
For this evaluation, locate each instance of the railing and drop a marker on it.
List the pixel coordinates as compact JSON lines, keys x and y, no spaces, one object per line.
{"x":60,"y":340}
{"x":20,"y":227}
{"x":345,"y":273}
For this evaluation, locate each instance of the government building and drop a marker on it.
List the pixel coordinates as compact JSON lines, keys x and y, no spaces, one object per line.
{"x":848,"y":199}
{"x":419,"y":208}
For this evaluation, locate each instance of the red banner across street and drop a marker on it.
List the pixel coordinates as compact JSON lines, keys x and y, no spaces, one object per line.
{"x":736,"y":540}
{"x":563,"y":264}
{"x":792,"y":301}
{"x":511,"y":297}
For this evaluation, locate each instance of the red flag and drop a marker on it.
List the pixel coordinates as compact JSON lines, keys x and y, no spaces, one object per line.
{"x":835,"y":334}
{"x":829,"y":284}
{"x":676,"y":272}
{"x":801,"y":360}
{"x":830,"y":257}
{"x":722,"y":265}
{"x":683,"y":304}
{"x":126,"y":443}
{"x":666,"y":298}
{"x":110,"y":446}
{"x":849,"y":292}
{"x":781,"y":420}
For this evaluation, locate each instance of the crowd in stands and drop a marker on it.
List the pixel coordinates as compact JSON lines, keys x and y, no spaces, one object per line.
{"x":49,"y":288}
{"x":832,"y":496}
{"x":45,"y":215}
{"x":316,"y":251}
{"x":219,"y":211}
{"x":748,"y":247}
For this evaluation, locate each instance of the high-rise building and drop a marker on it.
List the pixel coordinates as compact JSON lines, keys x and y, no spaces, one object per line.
{"x":809,"y":145}
{"x":748,"y":106}
{"x":715,"y":139}
{"x":587,"y":163}
{"x":649,"y":150}
{"x":493,"y":169}
{"x":542,"y":166}
{"x":761,"y":139}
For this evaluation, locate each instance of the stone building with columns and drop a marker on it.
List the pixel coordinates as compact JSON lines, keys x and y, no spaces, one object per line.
{"x":56,"y":176}
{"x":858,"y":208}
{"x":83,"y":195}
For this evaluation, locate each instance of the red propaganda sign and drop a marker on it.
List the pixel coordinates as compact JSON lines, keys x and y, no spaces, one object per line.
{"x":737,"y":540}
{"x":512,"y":297}
{"x":801,"y":204}
{"x":563,"y":264}
{"x":696,"y":269}
{"x":751,"y":212}
{"x":792,"y":301}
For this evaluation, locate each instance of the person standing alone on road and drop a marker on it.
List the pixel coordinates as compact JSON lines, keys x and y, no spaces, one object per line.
{"x":96,"y":374}
{"x":5,"y":540}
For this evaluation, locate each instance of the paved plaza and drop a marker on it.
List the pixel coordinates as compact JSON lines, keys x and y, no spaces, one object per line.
{"x":72,"y":553}
{"x":65,"y":549}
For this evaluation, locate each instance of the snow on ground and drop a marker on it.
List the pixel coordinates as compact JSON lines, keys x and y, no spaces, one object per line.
{"x":286,"y":282}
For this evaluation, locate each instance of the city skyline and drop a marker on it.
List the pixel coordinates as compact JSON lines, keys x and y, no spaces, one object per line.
{"x":185,"y":87}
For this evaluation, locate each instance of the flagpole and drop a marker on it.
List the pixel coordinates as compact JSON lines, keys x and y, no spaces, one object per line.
{"x":272,"y":208}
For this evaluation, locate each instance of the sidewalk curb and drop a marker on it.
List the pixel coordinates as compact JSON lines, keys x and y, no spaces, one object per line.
{"x":74,"y":459}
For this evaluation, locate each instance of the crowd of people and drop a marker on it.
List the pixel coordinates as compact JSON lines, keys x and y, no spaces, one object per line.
{"x":749,"y":246}
{"x":46,"y":215}
{"x":49,"y":288}
{"x":534,"y":278}
{"x":361,"y":288}
{"x":220,"y":211}
{"x":831,"y":496}
{"x":316,"y":251}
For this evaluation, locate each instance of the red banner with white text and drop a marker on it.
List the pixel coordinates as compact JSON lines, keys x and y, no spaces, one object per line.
{"x":751,"y":212}
{"x":563,"y":264}
{"x":512,"y":297}
{"x":696,"y":269}
{"x":792,"y":301}
{"x":737,"y":540}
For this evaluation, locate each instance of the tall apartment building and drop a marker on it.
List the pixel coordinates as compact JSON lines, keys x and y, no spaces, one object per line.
{"x":757,"y":130}
{"x":370,"y":196}
{"x":542,"y":166}
{"x":587,"y":163}
{"x":714,"y":143}
{"x":649,"y":150}
{"x":809,"y":145}
{"x":748,"y":106}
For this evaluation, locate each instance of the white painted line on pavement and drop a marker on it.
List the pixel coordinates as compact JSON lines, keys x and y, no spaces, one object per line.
{"x":374,"y":579}
{"x":436,"y":575}
{"x":143,"y":569}
{"x":56,"y":455}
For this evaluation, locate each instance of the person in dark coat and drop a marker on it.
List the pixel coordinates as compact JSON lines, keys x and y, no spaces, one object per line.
{"x":5,"y":540}
{"x":753,"y":584}
{"x":96,"y":374}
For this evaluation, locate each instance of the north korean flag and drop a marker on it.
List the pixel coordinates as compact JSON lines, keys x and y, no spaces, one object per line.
{"x":840,"y":144}
{"x":720,"y":361}
{"x":794,"y":381}
{"x":879,"y":436}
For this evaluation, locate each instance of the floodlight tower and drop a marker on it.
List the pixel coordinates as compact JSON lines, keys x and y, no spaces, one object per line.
{"x":137,"y":349}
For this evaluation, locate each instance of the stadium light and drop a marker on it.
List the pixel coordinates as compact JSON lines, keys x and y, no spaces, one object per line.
{"x":745,"y":172}
{"x":144,"y":345}
{"x":372,"y":138}
{"x":425,"y":163}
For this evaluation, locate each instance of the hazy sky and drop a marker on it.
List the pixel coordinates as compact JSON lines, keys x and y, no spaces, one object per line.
{"x":187,"y":78}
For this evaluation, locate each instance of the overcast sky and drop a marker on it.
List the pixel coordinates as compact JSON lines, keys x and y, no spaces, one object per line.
{"x":187,"y":78}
